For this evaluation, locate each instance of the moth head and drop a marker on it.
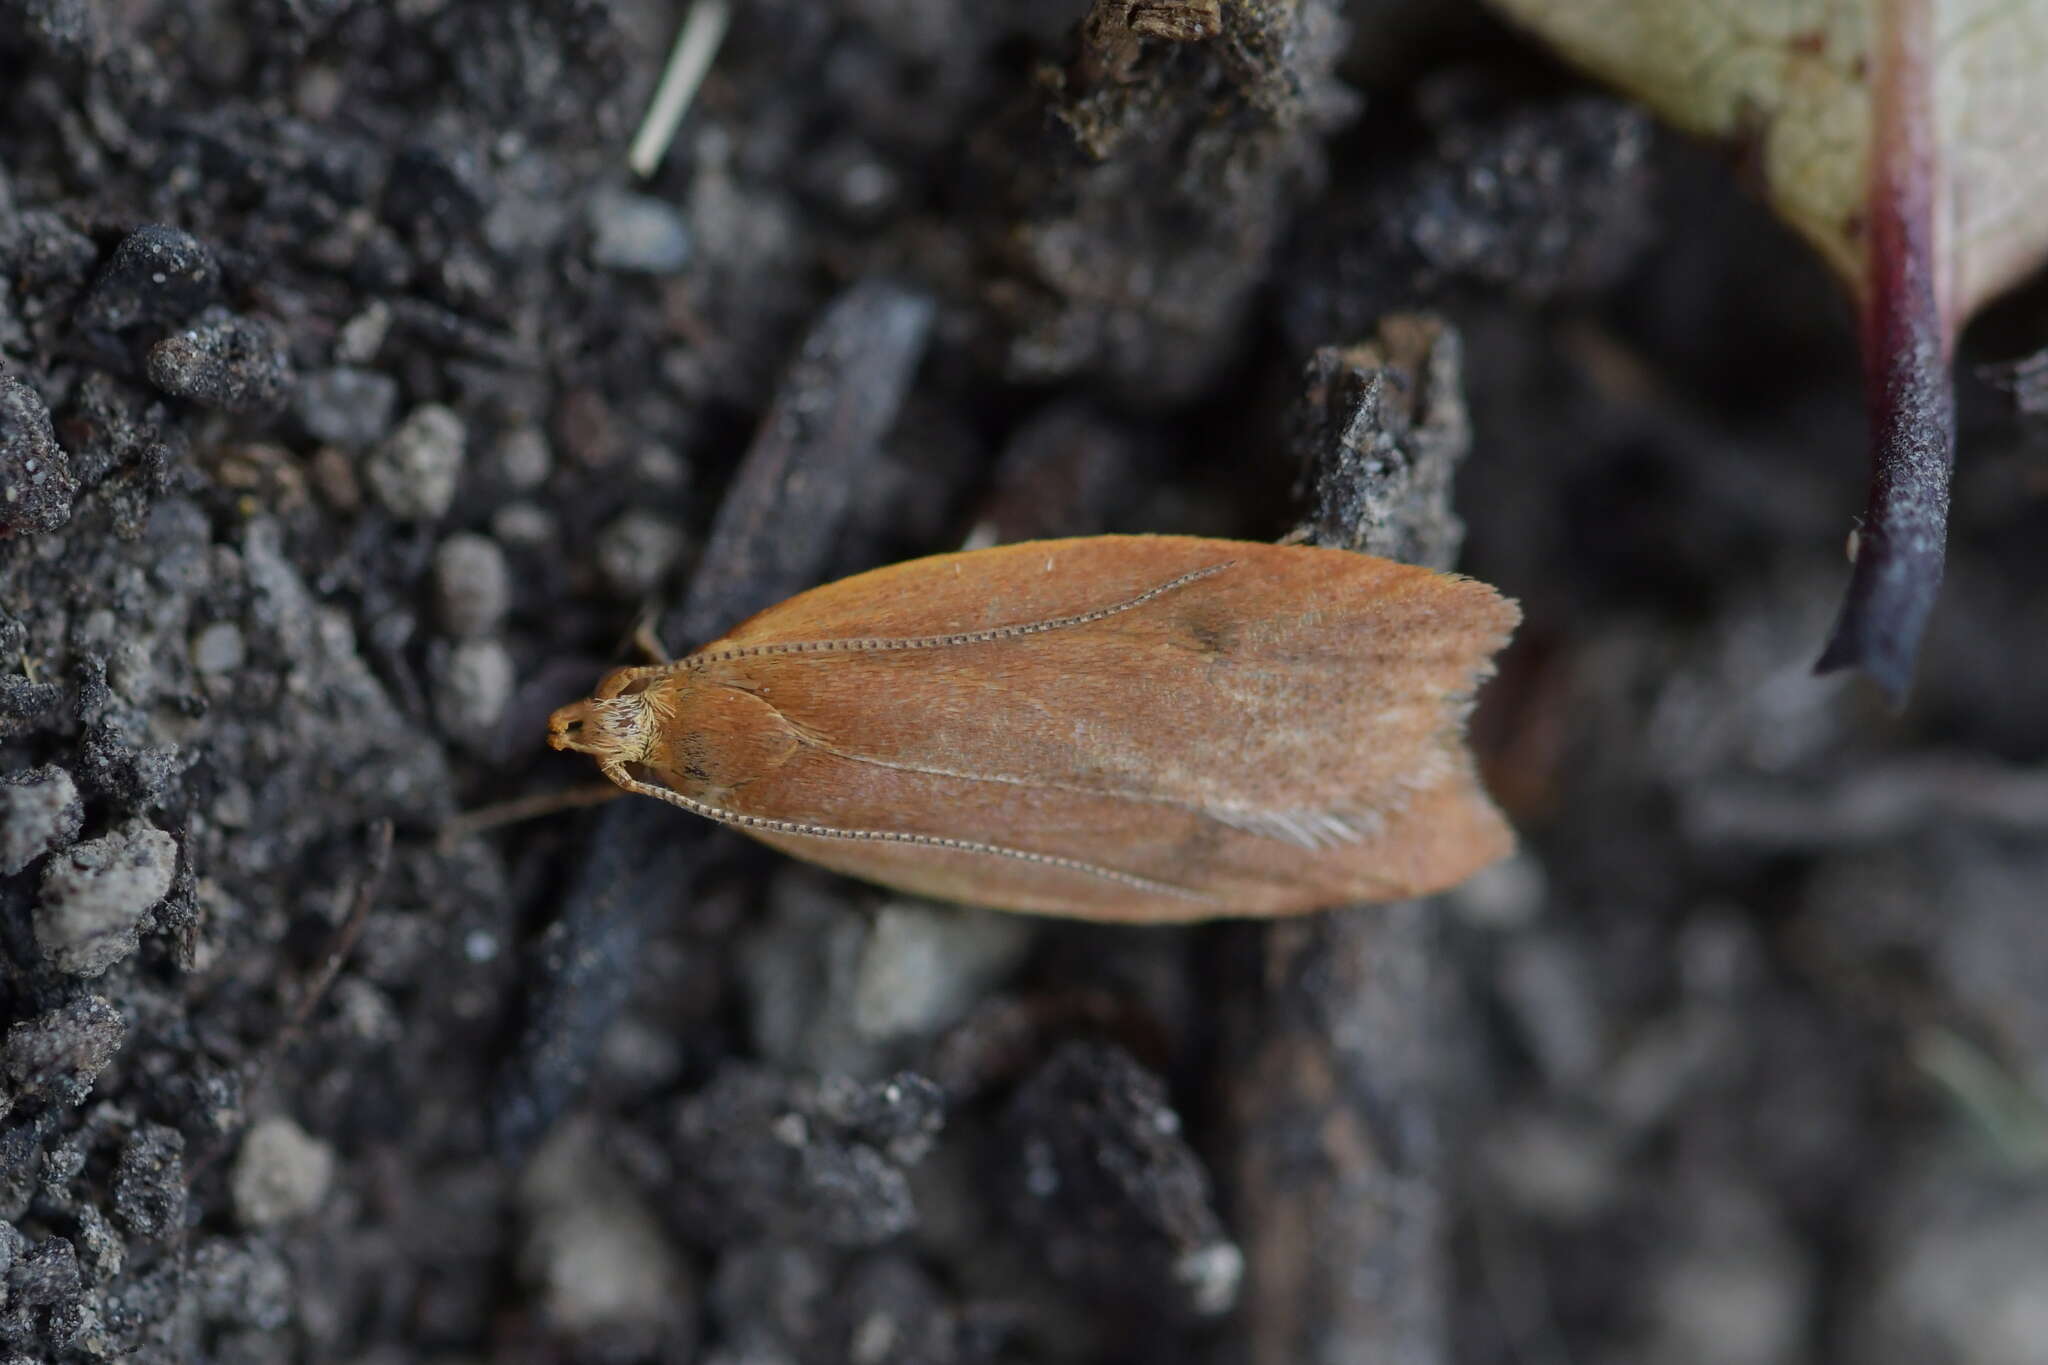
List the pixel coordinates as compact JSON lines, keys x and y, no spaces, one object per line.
{"x":614,"y":730}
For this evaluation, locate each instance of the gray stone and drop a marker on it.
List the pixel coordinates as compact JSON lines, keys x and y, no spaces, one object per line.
{"x":593,"y":1252}
{"x":472,"y":584}
{"x":1962,"y":1261}
{"x":95,"y":894}
{"x":224,"y":361}
{"x":523,"y":525}
{"x":636,"y":232}
{"x":39,"y":810}
{"x":924,"y":965}
{"x":219,"y":648}
{"x":346,"y":406}
{"x":279,"y":1174}
{"x":158,"y":274}
{"x":525,"y":458}
{"x":1551,"y":1166}
{"x":242,"y":1282}
{"x":637,"y":551}
{"x":415,"y":470}
{"x":1734,"y":1288}
{"x":61,"y":1052}
{"x":473,"y":684}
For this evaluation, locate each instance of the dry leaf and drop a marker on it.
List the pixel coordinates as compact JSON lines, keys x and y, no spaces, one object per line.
{"x":1907,"y":140}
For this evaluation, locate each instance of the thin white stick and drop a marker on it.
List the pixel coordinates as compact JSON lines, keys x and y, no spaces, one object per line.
{"x":696,"y":45}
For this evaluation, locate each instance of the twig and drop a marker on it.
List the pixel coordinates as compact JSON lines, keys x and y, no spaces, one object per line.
{"x":688,"y":60}
{"x":377,"y":862}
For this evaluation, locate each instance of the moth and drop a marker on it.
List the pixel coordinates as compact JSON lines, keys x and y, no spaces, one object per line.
{"x":1130,"y":728}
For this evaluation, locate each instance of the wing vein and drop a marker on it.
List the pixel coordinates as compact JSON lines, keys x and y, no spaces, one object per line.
{"x":878,"y":644}
{"x":767,"y":825}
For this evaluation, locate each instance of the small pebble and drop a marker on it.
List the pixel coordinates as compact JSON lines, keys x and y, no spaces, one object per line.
{"x":158,"y":274}
{"x":347,"y":407}
{"x":472,"y":585}
{"x":36,"y":484}
{"x":660,"y":467}
{"x":59,"y":1054}
{"x":848,"y":176}
{"x":922,"y":966}
{"x":132,"y":670}
{"x":334,"y":474}
{"x":149,"y":1177}
{"x":1508,"y":895}
{"x":1734,"y":1286}
{"x":39,"y":810}
{"x":591,"y":1249}
{"x":474,"y":684}
{"x":524,"y":458}
{"x":415,"y":470}
{"x":1211,"y":1276}
{"x":1564,"y":1169}
{"x":636,"y":552}
{"x":523,"y":525}
{"x":235,"y":807}
{"x":362,"y":336}
{"x":218,"y":648}
{"x":95,"y":894}
{"x":279,"y":1174}
{"x":636,"y":232}
{"x":21,"y":699}
{"x":231,"y":363}
{"x":242,"y":1282}
{"x":46,"y":254}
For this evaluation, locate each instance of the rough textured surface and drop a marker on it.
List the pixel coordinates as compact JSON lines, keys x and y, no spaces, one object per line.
{"x":414,"y":471}
{"x":39,"y":811}
{"x":93,"y":896}
{"x":232,"y":363}
{"x":1742,"y":1053}
{"x":1111,"y":1195}
{"x":36,"y":484}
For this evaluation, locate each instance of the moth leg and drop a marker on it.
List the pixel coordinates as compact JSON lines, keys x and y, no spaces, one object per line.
{"x":647,"y":642}
{"x":523,"y":808}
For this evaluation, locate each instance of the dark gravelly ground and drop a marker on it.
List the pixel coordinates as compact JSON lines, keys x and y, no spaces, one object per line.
{"x":354,"y":405}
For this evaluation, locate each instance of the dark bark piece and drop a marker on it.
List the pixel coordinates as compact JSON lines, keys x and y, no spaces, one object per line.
{"x":754,"y":1154}
{"x":1383,"y":425}
{"x":1339,"y":1171}
{"x":1533,"y":200}
{"x":236,"y":364}
{"x":772,"y":538}
{"x":1108,"y":1192}
{"x":1907,"y":339}
{"x":1127,"y":205}
{"x":158,"y":276}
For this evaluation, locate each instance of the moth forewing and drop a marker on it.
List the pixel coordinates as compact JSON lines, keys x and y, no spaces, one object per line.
{"x":1119,"y":727}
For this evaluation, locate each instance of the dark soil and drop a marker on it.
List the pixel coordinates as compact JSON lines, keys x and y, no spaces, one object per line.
{"x":355,"y":404}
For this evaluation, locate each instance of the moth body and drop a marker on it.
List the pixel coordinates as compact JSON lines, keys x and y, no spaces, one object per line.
{"x":1140,"y":728}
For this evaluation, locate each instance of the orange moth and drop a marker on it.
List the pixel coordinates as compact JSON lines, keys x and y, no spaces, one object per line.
{"x":1138,"y":728}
